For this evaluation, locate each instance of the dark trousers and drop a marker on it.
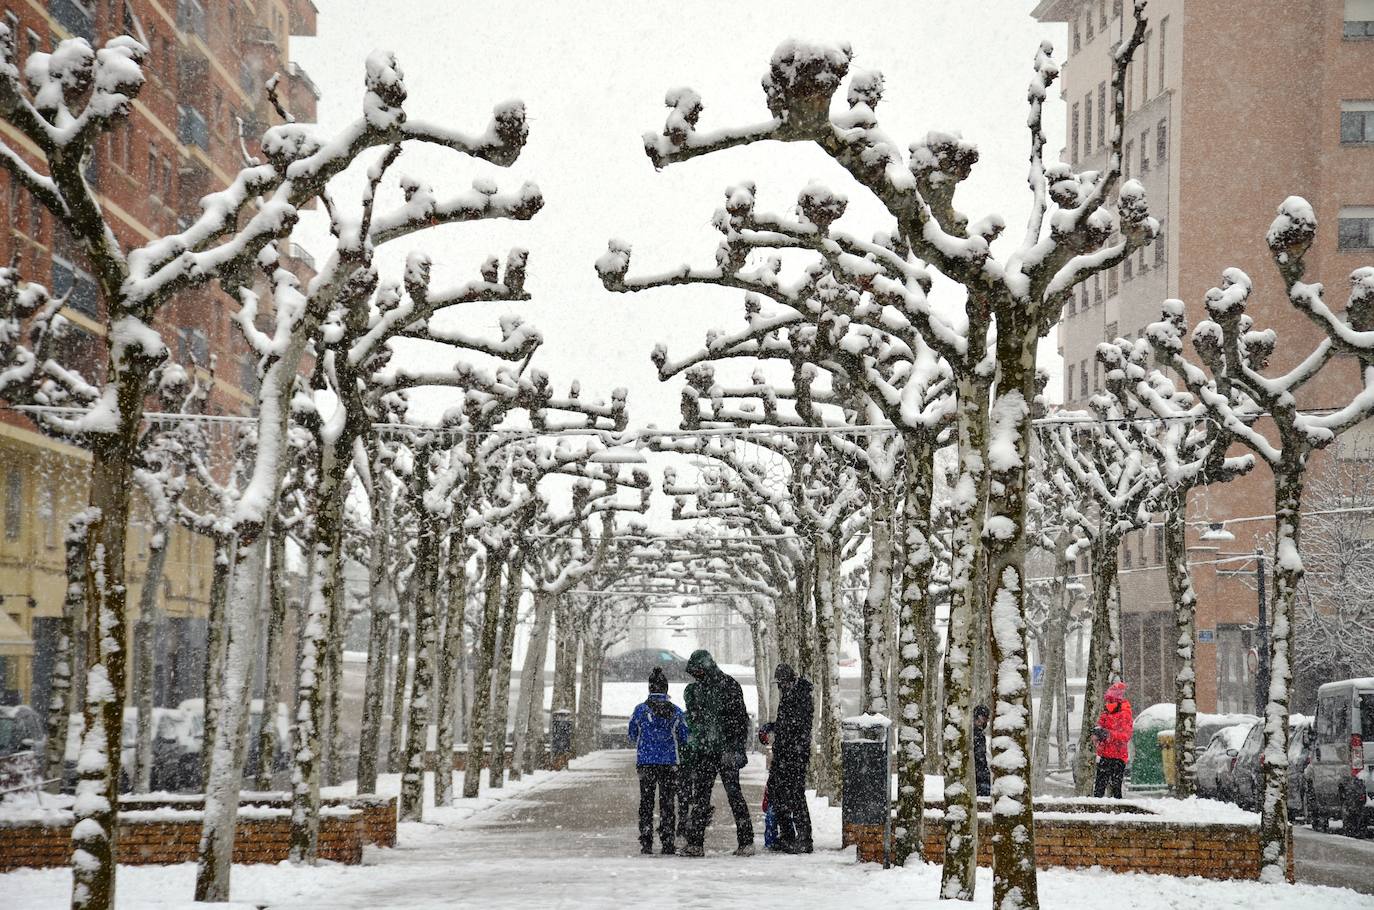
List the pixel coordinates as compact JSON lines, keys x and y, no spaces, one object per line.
{"x":703,"y":776}
{"x":660,"y":780}
{"x":787,"y":796}
{"x":1110,"y":774}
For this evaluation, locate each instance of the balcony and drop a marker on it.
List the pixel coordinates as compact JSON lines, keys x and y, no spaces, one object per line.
{"x":192,"y":128}
{"x":299,"y":254}
{"x":74,"y":16}
{"x":191,"y":19}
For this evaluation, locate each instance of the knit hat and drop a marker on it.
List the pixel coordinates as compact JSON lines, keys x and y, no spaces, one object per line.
{"x":1116,"y":692}
{"x":784,"y":673}
{"x":658,"y":681}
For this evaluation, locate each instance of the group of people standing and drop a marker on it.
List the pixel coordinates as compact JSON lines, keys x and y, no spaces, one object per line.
{"x":680,"y":755}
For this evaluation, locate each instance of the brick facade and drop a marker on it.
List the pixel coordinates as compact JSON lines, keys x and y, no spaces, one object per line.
{"x":163,"y":837}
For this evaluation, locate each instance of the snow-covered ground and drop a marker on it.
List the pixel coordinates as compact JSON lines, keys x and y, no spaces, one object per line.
{"x":566,"y":840}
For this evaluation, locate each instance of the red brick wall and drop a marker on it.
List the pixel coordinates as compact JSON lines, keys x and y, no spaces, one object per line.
{"x":166,"y":841}
{"x":1211,"y":851}
{"x":378,"y":812}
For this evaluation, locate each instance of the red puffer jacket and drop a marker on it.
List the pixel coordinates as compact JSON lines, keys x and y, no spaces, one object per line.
{"x":1118,"y":722}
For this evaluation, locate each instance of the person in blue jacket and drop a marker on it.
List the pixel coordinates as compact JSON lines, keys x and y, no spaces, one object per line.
{"x":659,"y":729}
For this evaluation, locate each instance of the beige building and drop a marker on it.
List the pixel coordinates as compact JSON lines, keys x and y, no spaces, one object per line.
{"x":1230,"y":108}
{"x":207,"y":64}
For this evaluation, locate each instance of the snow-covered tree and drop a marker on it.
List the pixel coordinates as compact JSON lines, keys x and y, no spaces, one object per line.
{"x":1071,"y":235}
{"x":1262,"y":412}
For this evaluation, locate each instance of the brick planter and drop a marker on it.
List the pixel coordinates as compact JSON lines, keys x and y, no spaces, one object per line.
{"x":1123,"y":837}
{"x":868,"y":840}
{"x":378,"y":812}
{"x":166,"y":836}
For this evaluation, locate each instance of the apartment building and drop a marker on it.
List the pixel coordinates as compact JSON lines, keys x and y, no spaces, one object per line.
{"x":1229,"y":108}
{"x":206,"y":69}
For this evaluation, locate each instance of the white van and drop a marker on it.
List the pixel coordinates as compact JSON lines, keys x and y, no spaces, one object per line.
{"x":1343,"y":756}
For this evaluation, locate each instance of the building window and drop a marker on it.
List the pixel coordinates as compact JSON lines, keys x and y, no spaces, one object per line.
{"x":1145,"y":68}
{"x":1083,"y":378}
{"x":1073,"y":136}
{"x":1112,"y":282}
{"x":14,"y":504}
{"x":1116,"y":9}
{"x":1087,"y":125}
{"x":1161,"y":249}
{"x":1357,"y":122}
{"x":1163,"y":33}
{"x":1102,"y":14}
{"x":1068,"y":385}
{"x":1092,"y":30}
{"x":1097,"y":375}
{"x":1097,"y":288}
{"x":1145,"y":152}
{"x":1162,"y":141}
{"x":1077,"y":35}
{"x":1127,"y":272}
{"x":1072,"y":306}
{"x":1126,"y":159}
{"x":1359,"y":19}
{"x":153,"y":181}
{"x":1111,"y":332}
{"x":1143,"y":268}
{"x":1159,"y":545}
{"x":1102,"y":114}
{"x":1355,"y":230}
{"x":1126,"y":552}
{"x":47,"y":513}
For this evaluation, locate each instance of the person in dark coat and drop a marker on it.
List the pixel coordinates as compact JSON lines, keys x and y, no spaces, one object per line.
{"x":790,"y":735}
{"x":718,"y":732}
{"x":659,"y":729}
{"x":982,"y":774}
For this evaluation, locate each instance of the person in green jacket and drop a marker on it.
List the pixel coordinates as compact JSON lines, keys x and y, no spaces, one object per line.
{"x":718,"y":734}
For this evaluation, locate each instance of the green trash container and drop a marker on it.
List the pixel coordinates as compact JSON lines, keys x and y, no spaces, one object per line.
{"x":1147,"y":764}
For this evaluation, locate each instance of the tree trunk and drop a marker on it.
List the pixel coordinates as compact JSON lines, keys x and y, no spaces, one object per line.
{"x":450,"y":679}
{"x":330,"y":767}
{"x":412,"y":803}
{"x":763,"y":680}
{"x":530,"y":702}
{"x":916,"y":644}
{"x":500,"y":695}
{"x":1052,"y":644}
{"x":97,"y":787}
{"x":308,"y":738}
{"x":565,"y":659}
{"x":1185,"y":613}
{"x":242,"y":607}
{"x":145,"y":644}
{"x":268,"y":740}
{"x":1104,"y":549}
{"x":399,"y":706}
{"x":482,"y":678}
{"x":1014,"y":880}
{"x":216,"y":653}
{"x":827,"y":576}
{"x":588,"y":714}
{"x":60,"y":700}
{"x":967,"y":596}
{"x":873,"y":700}
{"x":1276,"y":834}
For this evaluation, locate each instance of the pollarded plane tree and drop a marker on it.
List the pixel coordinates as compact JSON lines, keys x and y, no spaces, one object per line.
{"x":1188,"y":448}
{"x":563,"y":550}
{"x":347,"y":280}
{"x":1262,"y":412}
{"x":1071,"y":235}
{"x":1100,"y":455}
{"x":63,"y":104}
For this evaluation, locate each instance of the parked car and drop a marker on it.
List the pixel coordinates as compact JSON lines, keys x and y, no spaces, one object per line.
{"x":1247,"y":770}
{"x":1343,"y":756}
{"x":166,"y":769}
{"x":22,"y":741}
{"x":1301,"y":737}
{"x":635,"y":666}
{"x":1213,"y":766}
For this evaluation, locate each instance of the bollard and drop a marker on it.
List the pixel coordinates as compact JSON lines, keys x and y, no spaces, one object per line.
{"x":560,"y":739}
{"x":866,"y":812}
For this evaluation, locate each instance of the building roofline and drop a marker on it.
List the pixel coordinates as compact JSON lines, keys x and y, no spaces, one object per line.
{"x":1053,"y":10}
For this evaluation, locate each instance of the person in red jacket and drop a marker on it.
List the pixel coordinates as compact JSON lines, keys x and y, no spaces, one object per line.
{"x":1113,"y":733}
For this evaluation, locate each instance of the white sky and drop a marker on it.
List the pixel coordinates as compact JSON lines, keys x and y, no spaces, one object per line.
{"x":593,"y":77}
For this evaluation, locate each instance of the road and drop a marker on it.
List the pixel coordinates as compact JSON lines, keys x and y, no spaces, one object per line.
{"x":1333,"y":859}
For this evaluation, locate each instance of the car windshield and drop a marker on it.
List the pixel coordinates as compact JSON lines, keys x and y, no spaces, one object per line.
{"x":1367,"y":715}
{"x":11,"y":734}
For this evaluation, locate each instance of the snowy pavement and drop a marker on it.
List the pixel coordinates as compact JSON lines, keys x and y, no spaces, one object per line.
{"x":568,"y":840}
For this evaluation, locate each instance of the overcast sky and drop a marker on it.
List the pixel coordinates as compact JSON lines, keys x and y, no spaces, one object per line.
{"x":593,"y":77}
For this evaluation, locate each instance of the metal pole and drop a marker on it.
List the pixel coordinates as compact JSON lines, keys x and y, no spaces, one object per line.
{"x":1262,"y":636}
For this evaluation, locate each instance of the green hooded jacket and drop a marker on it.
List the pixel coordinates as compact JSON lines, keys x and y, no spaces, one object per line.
{"x":717,"y":720}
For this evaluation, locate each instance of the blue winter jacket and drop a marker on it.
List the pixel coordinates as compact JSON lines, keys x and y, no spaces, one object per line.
{"x":659,"y":727}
